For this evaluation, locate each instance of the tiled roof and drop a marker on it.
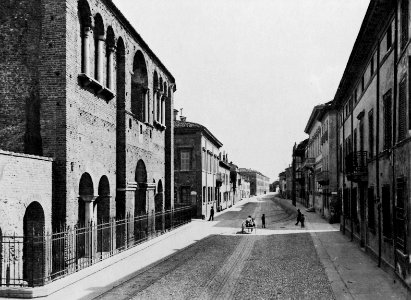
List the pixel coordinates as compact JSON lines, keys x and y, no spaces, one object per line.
{"x":196,"y":126}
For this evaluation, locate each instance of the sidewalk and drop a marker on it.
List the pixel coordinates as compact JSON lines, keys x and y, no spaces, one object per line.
{"x":136,"y":260}
{"x":352,"y":273}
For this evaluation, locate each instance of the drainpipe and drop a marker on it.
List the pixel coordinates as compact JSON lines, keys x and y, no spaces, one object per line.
{"x":394,"y":129}
{"x":377,"y":153}
{"x":343,"y":171}
{"x":352,"y":151}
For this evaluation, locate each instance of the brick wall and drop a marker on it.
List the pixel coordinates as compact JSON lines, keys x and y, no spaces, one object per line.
{"x":45,"y":110}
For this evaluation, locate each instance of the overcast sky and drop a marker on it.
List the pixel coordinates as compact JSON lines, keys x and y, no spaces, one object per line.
{"x":251,"y":70}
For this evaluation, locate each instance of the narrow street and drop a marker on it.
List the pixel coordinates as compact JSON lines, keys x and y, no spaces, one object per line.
{"x":228,"y":265}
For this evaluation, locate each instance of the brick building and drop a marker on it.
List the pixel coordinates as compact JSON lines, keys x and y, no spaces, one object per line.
{"x":259,"y":184}
{"x":79,"y":85}
{"x":87,"y":91}
{"x":196,"y":166}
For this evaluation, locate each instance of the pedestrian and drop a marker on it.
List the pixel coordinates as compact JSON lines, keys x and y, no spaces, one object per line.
{"x":298,"y":216}
{"x":263,"y":221}
{"x":211,"y":214}
{"x":302,"y":219}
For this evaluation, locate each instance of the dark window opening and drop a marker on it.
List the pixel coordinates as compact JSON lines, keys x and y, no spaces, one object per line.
{"x":402,"y":113}
{"x":387,"y":98}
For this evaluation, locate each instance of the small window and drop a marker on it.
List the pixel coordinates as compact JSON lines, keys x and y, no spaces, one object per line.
{"x":185,"y":160}
{"x":402,"y":112}
{"x":371,"y":133}
{"x":387,"y":119}
{"x":372,"y":65}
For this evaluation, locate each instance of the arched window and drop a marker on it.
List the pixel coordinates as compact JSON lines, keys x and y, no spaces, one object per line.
{"x":140,"y":196}
{"x":155,"y":96}
{"x":99,"y":47}
{"x":110,"y":43}
{"x":139,"y":87}
{"x":85,"y":32}
{"x":33,"y":248}
{"x":86,"y":194}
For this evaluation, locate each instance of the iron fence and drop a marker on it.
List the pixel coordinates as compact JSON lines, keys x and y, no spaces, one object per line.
{"x":37,"y":260}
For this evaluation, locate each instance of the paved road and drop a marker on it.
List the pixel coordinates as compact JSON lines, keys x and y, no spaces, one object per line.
{"x":228,"y":265}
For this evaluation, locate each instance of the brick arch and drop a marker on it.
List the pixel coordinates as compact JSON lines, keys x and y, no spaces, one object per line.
{"x":99,"y":28}
{"x":86,"y":193}
{"x":139,"y":85}
{"x":140,"y":194}
{"x":84,"y":13}
{"x":33,"y":248}
{"x":103,"y":200}
{"x":158,"y":200}
{"x":110,"y":37}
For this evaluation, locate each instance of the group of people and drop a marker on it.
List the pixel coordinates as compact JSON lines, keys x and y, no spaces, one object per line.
{"x":250,"y":222}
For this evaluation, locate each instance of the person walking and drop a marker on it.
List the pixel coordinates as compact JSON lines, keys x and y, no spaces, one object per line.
{"x":302,"y":219}
{"x":298,"y":216}
{"x":263,"y":221}
{"x":211,"y":214}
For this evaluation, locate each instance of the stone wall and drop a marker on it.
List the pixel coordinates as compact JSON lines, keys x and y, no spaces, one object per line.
{"x":24,"y":179}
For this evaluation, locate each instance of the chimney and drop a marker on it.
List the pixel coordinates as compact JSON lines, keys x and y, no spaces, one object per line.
{"x":183,"y":119}
{"x":175,"y":114}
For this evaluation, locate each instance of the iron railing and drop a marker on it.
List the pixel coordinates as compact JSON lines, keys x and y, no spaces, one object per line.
{"x":356,"y":163}
{"x":38,"y":260}
{"x":323,"y":177}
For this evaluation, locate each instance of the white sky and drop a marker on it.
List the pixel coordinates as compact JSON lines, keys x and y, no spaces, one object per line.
{"x":251,"y":70}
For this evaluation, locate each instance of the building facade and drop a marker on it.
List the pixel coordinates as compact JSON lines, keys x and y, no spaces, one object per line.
{"x":374,"y":141}
{"x":321,"y":161}
{"x":223,"y":184}
{"x":87,"y":92}
{"x":196,"y":166}
{"x":259,"y":184}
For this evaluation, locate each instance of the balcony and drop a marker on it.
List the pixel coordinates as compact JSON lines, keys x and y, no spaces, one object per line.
{"x":299,"y":176}
{"x":219,"y":178}
{"x":356,"y":166}
{"x":309,"y":163}
{"x":323,"y":177}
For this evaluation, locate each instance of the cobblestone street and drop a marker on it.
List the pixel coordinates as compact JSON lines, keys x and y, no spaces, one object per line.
{"x":237,"y":266}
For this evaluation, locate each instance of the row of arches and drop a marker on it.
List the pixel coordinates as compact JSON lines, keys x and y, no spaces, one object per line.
{"x":105,"y":45}
{"x":101,"y":203}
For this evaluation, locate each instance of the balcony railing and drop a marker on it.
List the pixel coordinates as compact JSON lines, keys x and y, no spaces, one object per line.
{"x":323,"y":177}
{"x":308,"y":162}
{"x":356,"y":166}
{"x":219,"y":177}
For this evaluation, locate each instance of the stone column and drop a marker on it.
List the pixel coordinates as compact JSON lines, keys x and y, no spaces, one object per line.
{"x":111,"y":51}
{"x":158,"y":109}
{"x":99,"y":58}
{"x":146,"y":105}
{"x":163,"y":106}
{"x":154,"y":105}
{"x":86,"y":50}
